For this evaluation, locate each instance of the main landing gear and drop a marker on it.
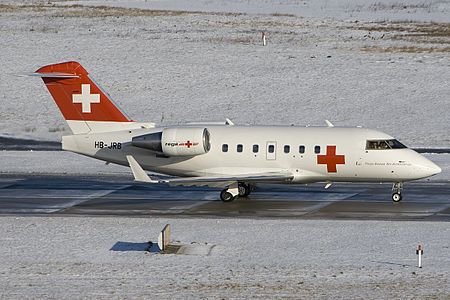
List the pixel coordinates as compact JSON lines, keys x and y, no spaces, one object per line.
{"x":233,"y":191}
{"x":397,"y":191}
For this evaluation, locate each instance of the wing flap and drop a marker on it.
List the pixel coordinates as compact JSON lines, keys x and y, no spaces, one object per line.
{"x":270,"y":176}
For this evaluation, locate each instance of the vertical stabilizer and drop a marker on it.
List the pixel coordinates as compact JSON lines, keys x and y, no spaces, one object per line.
{"x":84,"y":105}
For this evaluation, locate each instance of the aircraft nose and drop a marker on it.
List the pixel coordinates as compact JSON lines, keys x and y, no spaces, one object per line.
{"x":435,"y":169}
{"x":429,"y":168}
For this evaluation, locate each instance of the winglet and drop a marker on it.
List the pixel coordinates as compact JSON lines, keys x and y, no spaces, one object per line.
{"x":329,"y":124}
{"x":139,"y":173}
{"x":228,"y":122}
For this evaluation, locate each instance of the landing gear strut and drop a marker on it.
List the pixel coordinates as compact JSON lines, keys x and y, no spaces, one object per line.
{"x":397,"y":191}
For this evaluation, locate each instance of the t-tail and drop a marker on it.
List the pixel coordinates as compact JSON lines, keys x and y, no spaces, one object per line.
{"x":86,"y":107}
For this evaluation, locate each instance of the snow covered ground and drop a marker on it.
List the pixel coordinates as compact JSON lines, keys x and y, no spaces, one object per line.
{"x":171,"y":67}
{"x":70,"y":257}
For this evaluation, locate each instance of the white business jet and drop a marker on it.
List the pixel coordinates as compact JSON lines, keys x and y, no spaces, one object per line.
{"x":235,"y":158}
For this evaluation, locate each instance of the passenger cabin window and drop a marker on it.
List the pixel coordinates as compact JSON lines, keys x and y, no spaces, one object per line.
{"x":255,"y":148}
{"x":271,"y":148}
{"x":287,"y":148}
{"x":301,"y":149}
{"x":239,"y":148}
{"x":317,"y":149}
{"x":225,"y":148}
{"x":384,"y":145}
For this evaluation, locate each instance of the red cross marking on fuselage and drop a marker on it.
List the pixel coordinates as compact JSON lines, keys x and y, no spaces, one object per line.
{"x":331,"y":159}
{"x":188,"y":144}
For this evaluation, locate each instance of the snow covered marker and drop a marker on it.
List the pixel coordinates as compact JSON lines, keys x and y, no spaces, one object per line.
{"x":164,"y":238}
{"x":419,"y":252}
{"x":263,"y":37}
{"x":165,"y":247}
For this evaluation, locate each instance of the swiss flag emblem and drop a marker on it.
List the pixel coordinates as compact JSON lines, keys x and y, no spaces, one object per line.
{"x":86,"y":98}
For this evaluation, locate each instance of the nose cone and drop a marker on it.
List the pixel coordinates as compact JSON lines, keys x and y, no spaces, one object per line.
{"x":434,"y":169}
{"x":427,"y":168}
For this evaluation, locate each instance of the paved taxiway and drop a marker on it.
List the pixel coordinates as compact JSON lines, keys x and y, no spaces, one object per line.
{"x":114,"y":195}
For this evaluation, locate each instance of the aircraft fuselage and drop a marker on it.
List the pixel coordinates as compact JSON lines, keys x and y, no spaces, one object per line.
{"x":311,"y":154}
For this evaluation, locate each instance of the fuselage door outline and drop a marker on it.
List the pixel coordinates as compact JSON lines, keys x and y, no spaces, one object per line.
{"x":271,"y":150}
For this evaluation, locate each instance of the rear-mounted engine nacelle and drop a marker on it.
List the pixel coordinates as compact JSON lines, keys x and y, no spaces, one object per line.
{"x":175,"y":141}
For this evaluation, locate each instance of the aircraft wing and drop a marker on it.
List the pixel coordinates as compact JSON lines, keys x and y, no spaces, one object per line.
{"x":212,"y":181}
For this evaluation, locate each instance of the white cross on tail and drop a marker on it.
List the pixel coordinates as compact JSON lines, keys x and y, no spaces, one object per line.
{"x":86,"y":98}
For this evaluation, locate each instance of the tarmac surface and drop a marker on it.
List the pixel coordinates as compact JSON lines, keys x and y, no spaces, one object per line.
{"x":119,"y":195}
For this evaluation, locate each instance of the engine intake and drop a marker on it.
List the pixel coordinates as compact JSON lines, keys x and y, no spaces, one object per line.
{"x":190,"y":141}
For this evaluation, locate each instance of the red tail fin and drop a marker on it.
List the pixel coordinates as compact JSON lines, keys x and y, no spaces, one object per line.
{"x":77,"y":96}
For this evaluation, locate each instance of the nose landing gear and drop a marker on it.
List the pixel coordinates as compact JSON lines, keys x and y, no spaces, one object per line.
{"x":397,"y":191}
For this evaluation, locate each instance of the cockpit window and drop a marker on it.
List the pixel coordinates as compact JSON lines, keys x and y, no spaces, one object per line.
{"x":394,"y":144}
{"x":384,"y":145}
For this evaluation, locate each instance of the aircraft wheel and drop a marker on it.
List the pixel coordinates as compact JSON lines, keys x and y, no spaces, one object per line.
{"x":244,"y":189}
{"x":226,"y":196}
{"x":396,"y":197}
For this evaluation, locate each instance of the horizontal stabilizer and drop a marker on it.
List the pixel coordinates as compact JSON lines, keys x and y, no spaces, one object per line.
{"x":53,"y":75}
